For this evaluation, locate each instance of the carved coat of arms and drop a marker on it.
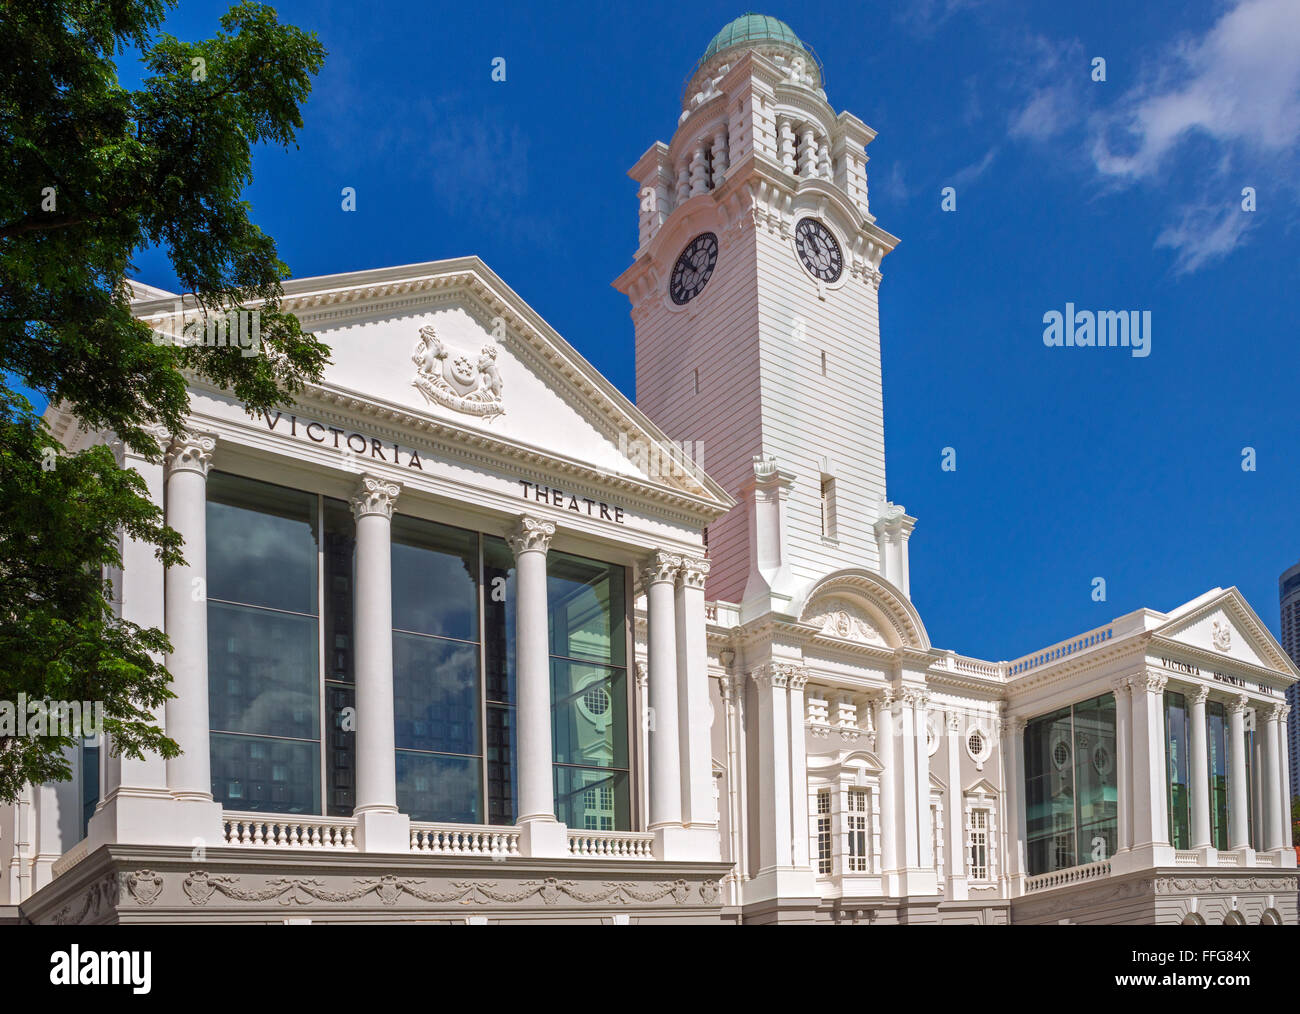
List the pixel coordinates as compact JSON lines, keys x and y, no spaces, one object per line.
{"x":1221,"y":635}
{"x":462,"y":381}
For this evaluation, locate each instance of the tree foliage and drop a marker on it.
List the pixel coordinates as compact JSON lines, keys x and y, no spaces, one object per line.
{"x":97,"y":172}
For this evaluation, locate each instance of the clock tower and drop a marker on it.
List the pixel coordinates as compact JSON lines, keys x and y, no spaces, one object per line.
{"x":754,"y":297}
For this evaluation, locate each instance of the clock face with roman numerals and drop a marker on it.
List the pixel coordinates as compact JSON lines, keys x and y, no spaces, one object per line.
{"x":818,"y":249}
{"x":693,"y":268}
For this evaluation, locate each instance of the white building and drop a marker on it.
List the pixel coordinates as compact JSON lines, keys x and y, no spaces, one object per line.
{"x":1288,"y":593}
{"x":465,"y":636}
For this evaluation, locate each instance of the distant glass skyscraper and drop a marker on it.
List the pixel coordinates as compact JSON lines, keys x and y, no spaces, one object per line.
{"x":1288,"y":590}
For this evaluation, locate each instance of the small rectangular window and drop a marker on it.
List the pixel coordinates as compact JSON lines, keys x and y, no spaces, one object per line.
{"x":859,"y":853}
{"x":697,"y":380}
{"x":979,"y":844}
{"x":824,"y":836}
{"x":828,"y":507}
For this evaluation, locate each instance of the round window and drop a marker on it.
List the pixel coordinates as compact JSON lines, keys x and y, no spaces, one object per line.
{"x":975,"y":744}
{"x":1061,"y":754}
{"x":596,"y":700}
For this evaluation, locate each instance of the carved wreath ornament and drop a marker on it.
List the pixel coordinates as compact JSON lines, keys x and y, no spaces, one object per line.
{"x":457,"y":380}
{"x":1221,"y":635}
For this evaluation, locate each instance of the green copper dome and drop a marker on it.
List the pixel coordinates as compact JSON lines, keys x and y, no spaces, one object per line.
{"x":750,"y":29}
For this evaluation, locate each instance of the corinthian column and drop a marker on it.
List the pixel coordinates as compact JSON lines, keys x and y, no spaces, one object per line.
{"x":1270,"y":756}
{"x":1150,"y":802}
{"x":1123,"y":763}
{"x":380,"y":827}
{"x":699,"y":809}
{"x":658,"y":577}
{"x":1199,"y":768}
{"x":541,"y":834}
{"x":197,"y":818}
{"x":799,"y":770}
{"x":1238,"y":800}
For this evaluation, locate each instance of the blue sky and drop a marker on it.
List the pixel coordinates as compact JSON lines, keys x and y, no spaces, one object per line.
{"x":1072,"y":463}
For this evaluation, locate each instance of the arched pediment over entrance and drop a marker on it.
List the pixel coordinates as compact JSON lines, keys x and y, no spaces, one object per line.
{"x":859,"y":605}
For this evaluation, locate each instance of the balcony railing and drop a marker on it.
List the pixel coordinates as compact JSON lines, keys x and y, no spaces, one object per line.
{"x":261,"y":831}
{"x":612,"y":844}
{"x":1063,"y":878}
{"x":464,"y":840}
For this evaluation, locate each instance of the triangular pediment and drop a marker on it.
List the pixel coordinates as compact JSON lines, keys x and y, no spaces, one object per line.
{"x":983,"y":787}
{"x":1225,"y":625}
{"x":451,"y":343}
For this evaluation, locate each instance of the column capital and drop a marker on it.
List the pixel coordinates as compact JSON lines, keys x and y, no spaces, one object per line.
{"x":189,"y":451}
{"x":731,"y":686}
{"x":1283,"y":710}
{"x":530,"y":534}
{"x":693,"y":572}
{"x":1018,"y":723}
{"x":1152,"y":682}
{"x":1122,"y":685}
{"x":798,"y":678}
{"x":374,"y":495}
{"x":661,"y":567}
{"x":915,"y":697}
{"x":1274,"y":712}
{"x":1238,"y":705}
{"x":1200,"y":695}
{"x":772,"y":674}
{"x":953,"y":721}
{"x":642,"y":674}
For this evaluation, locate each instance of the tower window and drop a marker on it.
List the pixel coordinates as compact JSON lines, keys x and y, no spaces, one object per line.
{"x":697,"y":380}
{"x":828,"y":507}
{"x":824,"y":364}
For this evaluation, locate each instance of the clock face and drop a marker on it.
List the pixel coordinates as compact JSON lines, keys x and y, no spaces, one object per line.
{"x":693,"y":268}
{"x":818,"y":249}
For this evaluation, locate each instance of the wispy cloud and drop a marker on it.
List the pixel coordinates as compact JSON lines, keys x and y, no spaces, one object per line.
{"x":925,"y":17}
{"x":1237,"y":86}
{"x":972,"y":172}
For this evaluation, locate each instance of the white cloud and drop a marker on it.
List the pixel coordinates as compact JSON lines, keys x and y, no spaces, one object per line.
{"x":1238,"y":84}
{"x":1238,"y":87}
{"x":1203,"y":234}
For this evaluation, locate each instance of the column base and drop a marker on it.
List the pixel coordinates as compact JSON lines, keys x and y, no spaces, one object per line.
{"x":673,"y":842}
{"x":783,"y":882}
{"x":1142,"y":857}
{"x":905,"y":883}
{"x":155,"y":817}
{"x":383,"y":831}
{"x":543,"y":838}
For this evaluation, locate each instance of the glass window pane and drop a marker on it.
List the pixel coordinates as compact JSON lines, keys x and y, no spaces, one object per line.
{"x":1217,"y":736}
{"x":265,"y":775}
{"x":503,"y":785}
{"x":499,"y":591}
{"x":1179,"y":799}
{"x":589,"y":709}
{"x":592,"y":799}
{"x":1049,"y":793}
{"x":435,"y":579}
{"x":261,"y":544}
{"x":339,"y":547}
{"x":437,"y":787}
{"x":340,"y":749}
{"x":587,"y":612}
{"x":1096,"y":789}
{"x":262,"y":672}
{"x":435,"y":694}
